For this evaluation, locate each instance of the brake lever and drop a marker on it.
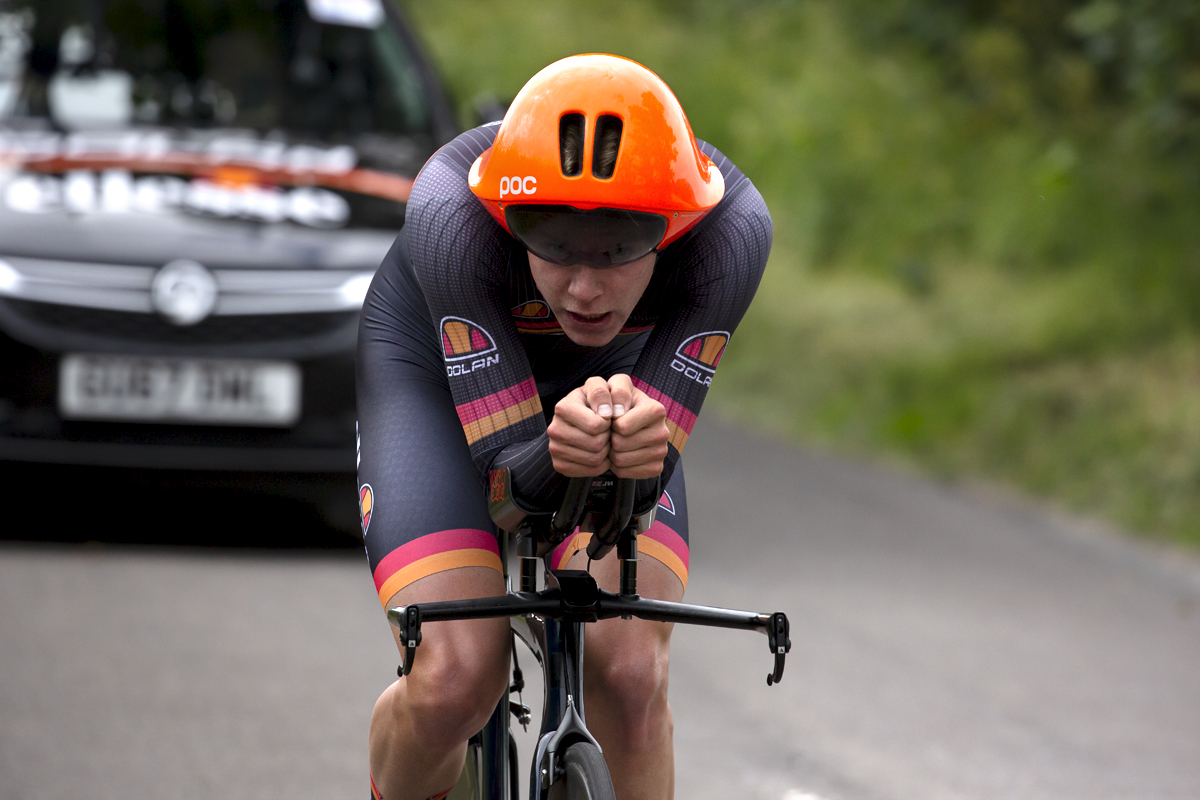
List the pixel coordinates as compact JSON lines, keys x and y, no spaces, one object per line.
{"x":408,"y":621}
{"x":778,"y":630}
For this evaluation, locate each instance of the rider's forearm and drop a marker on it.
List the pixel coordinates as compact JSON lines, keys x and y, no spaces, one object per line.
{"x":535,"y":484}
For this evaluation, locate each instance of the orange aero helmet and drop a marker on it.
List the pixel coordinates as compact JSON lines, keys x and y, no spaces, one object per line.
{"x":551,"y":180}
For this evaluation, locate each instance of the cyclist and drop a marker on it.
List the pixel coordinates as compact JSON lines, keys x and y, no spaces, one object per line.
{"x":556,"y":307}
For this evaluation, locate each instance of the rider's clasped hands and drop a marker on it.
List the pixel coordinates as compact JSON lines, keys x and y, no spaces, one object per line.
{"x":609,"y":424}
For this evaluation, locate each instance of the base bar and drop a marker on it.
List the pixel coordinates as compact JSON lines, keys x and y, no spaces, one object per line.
{"x":577,"y":599}
{"x":607,"y":605}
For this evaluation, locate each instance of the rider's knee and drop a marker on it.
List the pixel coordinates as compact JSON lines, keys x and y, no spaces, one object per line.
{"x":453,"y":689}
{"x":632,"y":676}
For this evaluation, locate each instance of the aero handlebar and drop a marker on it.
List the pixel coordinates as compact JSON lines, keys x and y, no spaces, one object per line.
{"x":568,"y":514}
{"x":609,"y":527}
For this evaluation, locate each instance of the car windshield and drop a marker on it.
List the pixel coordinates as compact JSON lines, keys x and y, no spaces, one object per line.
{"x":329,"y":69}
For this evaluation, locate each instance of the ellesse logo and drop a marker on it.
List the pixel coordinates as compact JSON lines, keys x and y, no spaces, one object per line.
{"x":366,"y":504}
{"x":698,"y":356}
{"x":466,"y":346}
{"x":666,"y":503}
{"x":533,"y":316}
{"x":534,"y":309}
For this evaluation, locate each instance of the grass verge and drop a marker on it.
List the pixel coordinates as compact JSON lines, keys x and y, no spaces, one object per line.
{"x":986,"y":375}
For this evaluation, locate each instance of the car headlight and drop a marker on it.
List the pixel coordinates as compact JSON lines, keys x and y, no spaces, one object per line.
{"x":9,"y":278}
{"x":354,"y":291}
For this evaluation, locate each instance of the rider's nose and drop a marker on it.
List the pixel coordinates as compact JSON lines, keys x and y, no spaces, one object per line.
{"x":584,"y":286}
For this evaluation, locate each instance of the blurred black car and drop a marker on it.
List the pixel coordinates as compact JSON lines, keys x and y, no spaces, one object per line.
{"x":194,"y":196}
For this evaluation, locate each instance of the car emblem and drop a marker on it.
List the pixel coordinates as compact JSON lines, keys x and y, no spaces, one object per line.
{"x":184,"y":292}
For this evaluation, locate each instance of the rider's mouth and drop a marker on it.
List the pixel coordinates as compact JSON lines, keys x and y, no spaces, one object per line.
{"x":590,"y":320}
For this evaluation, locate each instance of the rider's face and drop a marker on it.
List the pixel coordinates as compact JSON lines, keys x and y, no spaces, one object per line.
{"x":592,"y":304}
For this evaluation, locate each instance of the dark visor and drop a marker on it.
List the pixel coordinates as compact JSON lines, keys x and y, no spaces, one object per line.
{"x":602,"y":237}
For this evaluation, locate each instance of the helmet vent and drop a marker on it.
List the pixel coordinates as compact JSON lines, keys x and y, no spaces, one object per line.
{"x":570,"y":144}
{"x":607,"y":145}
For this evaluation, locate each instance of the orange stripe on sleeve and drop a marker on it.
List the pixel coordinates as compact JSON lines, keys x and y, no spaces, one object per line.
{"x":679,"y":436}
{"x":485,"y":426}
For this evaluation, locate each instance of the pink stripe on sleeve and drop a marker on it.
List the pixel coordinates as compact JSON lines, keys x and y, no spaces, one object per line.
{"x":676,"y":412}
{"x":505,"y":398}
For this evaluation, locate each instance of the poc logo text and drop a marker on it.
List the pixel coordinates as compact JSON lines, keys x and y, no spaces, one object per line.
{"x":517,"y":185}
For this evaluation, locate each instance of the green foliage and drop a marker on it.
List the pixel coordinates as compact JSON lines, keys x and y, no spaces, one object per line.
{"x":1141,"y":57}
{"x":986,"y":258}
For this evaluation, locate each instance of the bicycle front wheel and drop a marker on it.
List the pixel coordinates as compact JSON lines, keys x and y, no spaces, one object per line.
{"x":584,"y":775}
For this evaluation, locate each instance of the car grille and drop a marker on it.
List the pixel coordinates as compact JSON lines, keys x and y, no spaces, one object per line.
{"x":215,"y":330}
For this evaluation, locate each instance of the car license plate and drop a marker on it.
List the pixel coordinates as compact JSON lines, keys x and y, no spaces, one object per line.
{"x":204,"y":391}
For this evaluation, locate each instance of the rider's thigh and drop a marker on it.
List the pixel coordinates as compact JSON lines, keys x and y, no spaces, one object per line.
{"x":425,"y":521}
{"x":460,"y":671}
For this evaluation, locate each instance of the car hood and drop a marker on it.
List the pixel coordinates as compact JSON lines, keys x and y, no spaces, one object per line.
{"x":224,"y":199}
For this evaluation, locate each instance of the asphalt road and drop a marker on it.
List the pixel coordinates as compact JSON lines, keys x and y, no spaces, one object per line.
{"x":948,"y":644}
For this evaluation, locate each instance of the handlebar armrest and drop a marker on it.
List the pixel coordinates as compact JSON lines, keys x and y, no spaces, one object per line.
{"x":503,"y":507}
